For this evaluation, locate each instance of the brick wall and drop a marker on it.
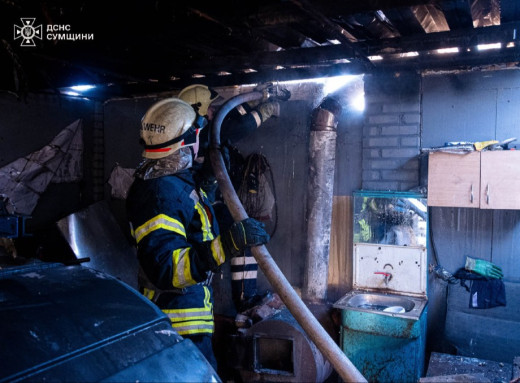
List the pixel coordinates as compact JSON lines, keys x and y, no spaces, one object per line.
{"x":391,"y":134}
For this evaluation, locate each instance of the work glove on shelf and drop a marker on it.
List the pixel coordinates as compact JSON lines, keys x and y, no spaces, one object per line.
{"x":484,"y":268}
{"x":246,"y":233}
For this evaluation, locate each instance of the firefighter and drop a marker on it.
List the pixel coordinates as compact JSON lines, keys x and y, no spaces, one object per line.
{"x":239,"y":123}
{"x":178,"y":240}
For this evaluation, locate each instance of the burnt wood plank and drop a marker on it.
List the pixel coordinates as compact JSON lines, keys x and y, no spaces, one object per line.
{"x":405,"y":21}
{"x":457,"y":13}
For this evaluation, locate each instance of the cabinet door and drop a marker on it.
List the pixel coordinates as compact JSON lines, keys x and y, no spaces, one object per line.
{"x":500,"y":180}
{"x":454,"y":179}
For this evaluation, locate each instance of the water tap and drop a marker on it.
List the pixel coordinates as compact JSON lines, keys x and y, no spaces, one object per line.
{"x":387,"y":275}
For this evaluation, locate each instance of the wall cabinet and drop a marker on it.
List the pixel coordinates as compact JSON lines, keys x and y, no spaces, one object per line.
{"x":485,"y":180}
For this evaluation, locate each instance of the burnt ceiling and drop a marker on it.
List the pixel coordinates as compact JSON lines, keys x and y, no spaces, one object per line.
{"x":138,"y":47}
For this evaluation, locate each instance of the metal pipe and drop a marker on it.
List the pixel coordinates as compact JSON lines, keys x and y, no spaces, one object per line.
{"x":346,"y":370}
{"x":322,"y":161}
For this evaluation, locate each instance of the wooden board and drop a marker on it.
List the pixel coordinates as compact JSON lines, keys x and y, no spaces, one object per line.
{"x":500,"y":180}
{"x":453,"y":178}
{"x":340,"y":257}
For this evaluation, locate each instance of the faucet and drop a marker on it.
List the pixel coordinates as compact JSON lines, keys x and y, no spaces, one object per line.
{"x":387,"y":275}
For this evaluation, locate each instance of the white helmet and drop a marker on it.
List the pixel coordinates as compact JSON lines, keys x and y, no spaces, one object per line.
{"x":169,"y":125}
{"x":199,"y":97}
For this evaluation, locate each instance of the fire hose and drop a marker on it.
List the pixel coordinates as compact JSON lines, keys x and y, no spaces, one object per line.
{"x":343,"y":366}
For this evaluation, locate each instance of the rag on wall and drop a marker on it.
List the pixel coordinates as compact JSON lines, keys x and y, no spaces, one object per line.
{"x":24,"y":180}
{"x":485,"y":293}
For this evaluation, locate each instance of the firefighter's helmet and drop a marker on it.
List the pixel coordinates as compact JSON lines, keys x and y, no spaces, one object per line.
{"x":169,"y":125}
{"x":199,"y":97}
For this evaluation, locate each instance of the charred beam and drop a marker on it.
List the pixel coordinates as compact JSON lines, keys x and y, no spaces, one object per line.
{"x":269,"y":60}
{"x":509,"y":57}
{"x":405,"y":21}
{"x":463,"y":60}
{"x":341,"y":34}
{"x":287,"y":74}
{"x":351,"y":7}
{"x":460,"y":38}
{"x":458,"y":14}
{"x":335,"y":53}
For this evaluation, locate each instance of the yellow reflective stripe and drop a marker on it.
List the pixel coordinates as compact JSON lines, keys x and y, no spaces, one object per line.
{"x":207,"y":299}
{"x":190,"y":321}
{"x":181,"y":269}
{"x":218,"y":251}
{"x":160,"y":221}
{"x":194,"y":327}
{"x":148,"y":293}
{"x":193,"y":324}
{"x":185,"y":317}
{"x":192,"y":310}
{"x":206,"y":226}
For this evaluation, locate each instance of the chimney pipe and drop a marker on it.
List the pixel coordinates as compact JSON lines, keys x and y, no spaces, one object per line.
{"x":322,"y":161}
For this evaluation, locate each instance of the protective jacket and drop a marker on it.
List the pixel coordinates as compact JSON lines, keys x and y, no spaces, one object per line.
{"x":178,"y":244}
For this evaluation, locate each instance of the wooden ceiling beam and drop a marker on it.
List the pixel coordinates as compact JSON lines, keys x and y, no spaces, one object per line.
{"x":405,"y":21}
{"x":460,"y":38}
{"x":334,"y":53}
{"x":333,"y":7}
{"x":464,"y":60}
{"x":457,"y":14}
{"x":345,"y":38}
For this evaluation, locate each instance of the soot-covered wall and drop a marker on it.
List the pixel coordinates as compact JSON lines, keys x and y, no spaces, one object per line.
{"x":428,"y":111}
{"x":474,"y":107}
{"x":26,"y":126}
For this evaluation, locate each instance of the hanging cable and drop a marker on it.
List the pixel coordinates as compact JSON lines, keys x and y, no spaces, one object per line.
{"x":438,"y":270}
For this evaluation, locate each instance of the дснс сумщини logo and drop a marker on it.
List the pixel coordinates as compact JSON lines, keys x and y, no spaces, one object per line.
{"x":28,"y":32}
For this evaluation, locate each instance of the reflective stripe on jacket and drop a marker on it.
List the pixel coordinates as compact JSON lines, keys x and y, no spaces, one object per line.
{"x":178,"y":243}
{"x":187,"y":317}
{"x":175,"y":230}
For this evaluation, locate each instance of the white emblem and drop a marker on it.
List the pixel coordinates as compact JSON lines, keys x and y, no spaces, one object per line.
{"x":28,"y":32}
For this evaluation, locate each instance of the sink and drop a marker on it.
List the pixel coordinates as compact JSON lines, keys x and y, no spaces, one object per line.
{"x":384,"y":334}
{"x":381,"y":303}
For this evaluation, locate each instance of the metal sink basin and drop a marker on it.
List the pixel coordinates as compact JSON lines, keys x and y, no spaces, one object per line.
{"x":384,"y":304}
{"x":381,"y":302}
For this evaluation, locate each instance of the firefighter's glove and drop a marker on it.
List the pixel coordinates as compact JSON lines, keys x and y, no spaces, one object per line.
{"x":484,"y":268}
{"x":268,"y":109}
{"x":246,"y":233}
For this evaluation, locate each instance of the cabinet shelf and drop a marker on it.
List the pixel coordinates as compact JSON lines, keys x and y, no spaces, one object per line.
{"x":485,"y":180}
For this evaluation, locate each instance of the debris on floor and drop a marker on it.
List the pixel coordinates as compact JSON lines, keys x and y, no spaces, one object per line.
{"x":456,"y":368}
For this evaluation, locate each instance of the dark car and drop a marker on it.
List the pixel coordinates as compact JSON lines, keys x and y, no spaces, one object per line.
{"x":73,"y":323}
